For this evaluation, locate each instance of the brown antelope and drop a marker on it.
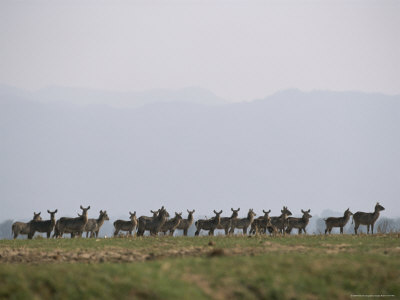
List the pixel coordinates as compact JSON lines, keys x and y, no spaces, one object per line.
{"x":243,"y":223}
{"x":369,"y":219}
{"x":171,"y":224}
{"x":226,"y":222}
{"x":154,"y":224}
{"x":299,"y":223}
{"x":129,"y":226}
{"x":93,"y":225}
{"x":332,"y":222}
{"x":260,"y":224}
{"x":209,"y":225}
{"x":184,"y":224}
{"x":24,"y":228}
{"x":43,"y":226}
{"x":74,"y":226}
{"x":280,"y":222}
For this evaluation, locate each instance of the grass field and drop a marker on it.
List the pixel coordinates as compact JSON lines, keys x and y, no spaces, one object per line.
{"x":293,"y":267}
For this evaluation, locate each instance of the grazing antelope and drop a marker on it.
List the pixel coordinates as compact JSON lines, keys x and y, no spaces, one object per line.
{"x":243,"y":223}
{"x":184,"y":224}
{"x":93,"y":225}
{"x":337,"y":222}
{"x":74,"y":226}
{"x":260,"y":224}
{"x":226,"y":222}
{"x":24,"y":228}
{"x":280,"y":222}
{"x":171,"y":224}
{"x":209,"y":225}
{"x":154,"y":224}
{"x":369,"y":219}
{"x":43,"y":226}
{"x":129,"y":226}
{"x":299,"y":223}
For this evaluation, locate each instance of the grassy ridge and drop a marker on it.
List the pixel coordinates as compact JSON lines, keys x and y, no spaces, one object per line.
{"x":293,"y":267}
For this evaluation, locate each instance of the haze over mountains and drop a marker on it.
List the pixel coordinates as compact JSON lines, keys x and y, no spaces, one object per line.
{"x":191,"y":149}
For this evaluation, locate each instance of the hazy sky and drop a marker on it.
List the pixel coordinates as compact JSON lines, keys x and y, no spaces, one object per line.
{"x":240,"y":50}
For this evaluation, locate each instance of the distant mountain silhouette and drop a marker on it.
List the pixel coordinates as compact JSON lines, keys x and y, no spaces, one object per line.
{"x":318,"y":150}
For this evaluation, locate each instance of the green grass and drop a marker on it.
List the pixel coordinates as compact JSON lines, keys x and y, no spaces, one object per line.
{"x":305,"y":267}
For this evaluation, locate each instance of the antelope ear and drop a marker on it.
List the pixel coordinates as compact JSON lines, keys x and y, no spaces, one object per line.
{"x":231,"y":208}
{"x":188,"y":211}
{"x":193,"y":211}
{"x":39,"y":213}
{"x":238,"y":209}
{"x":48,"y":211}
{"x":303,"y":211}
{"x":309,"y":210}
{"x":56,"y":211}
{"x":134,"y":212}
{"x":215,"y":212}
{"x":81,"y":207}
{"x":220,"y":212}
{"x":88,"y":207}
{"x":269,"y":211}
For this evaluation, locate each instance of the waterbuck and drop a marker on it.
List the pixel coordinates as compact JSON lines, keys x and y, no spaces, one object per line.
{"x":299,"y":223}
{"x":184,"y":224}
{"x":24,"y":228}
{"x":226,"y":222}
{"x":129,"y":226}
{"x":369,"y":219}
{"x":74,"y":226}
{"x":280,"y":222}
{"x":337,"y":222}
{"x":43,"y":226}
{"x":243,"y":223}
{"x":152,"y":224}
{"x":93,"y":225}
{"x":171,"y":224}
{"x":260,"y":224}
{"x":209,"y":225}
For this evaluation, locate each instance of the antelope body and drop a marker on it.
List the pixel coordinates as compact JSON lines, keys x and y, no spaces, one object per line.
{"x":74,"y":226}
{"x":43,"y":226}
{"x":280,"y":222}
{"x":171,"y":224}
{"x":93,"y":225}
{"x":299,"y":223}
{"x":260,"y":224}
{"x":154,"y":224}
{"x":209,"y":225}
{"x":185,"y":224}
{"x":24,"y":228}
{"x":129,"y":226}
{"x":243,"y":223}
{"x":332,"y":222}
{"x":226,"y":222}
{"x":369,"y":219}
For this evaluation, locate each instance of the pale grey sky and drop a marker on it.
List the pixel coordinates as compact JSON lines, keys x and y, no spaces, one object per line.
{"x":240,"y":50}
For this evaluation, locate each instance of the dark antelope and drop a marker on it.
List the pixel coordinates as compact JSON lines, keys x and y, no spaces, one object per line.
{"x":129,"y":226}
{"x":24,"y":228}
{"x":93,"y":225}
{"x":226,"y":222}
{"x":74,"y":226}
{"x":369,"y":219}
{"x":154,"y":224}
{"x":280,"y":222}
{"x":260,"y":224}
{"x":171,"y":224}
{"x":209,"y":225}
{"x":299,"y":223}
{"x":332,"y":222}
{"x":243,"y":223}
{"x":43,"y":226}
{"x":184,"y":224}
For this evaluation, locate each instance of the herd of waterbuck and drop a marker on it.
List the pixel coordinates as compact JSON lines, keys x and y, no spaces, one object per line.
{"x":161,"y":223}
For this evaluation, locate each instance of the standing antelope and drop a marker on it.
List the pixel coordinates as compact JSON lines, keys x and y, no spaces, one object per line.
{"x":226,"y":222}
{"x":184,"y":224}
{"x":43,"y":226}
{"x":209,"y":225}
{"x":74,"y":226}
{"x":260,"y":224}
{"x":93,"y":225}
{"x":152,"y":224}
{"x":280,"y":222}
{"x":171,"y":224}
{"x":337,"y":222}
{"x":299,"y":223}
{"x":243,"y":223}
{"x":369,"y":219}
{"x":24,"y":228}
{"x":129,"y":226}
